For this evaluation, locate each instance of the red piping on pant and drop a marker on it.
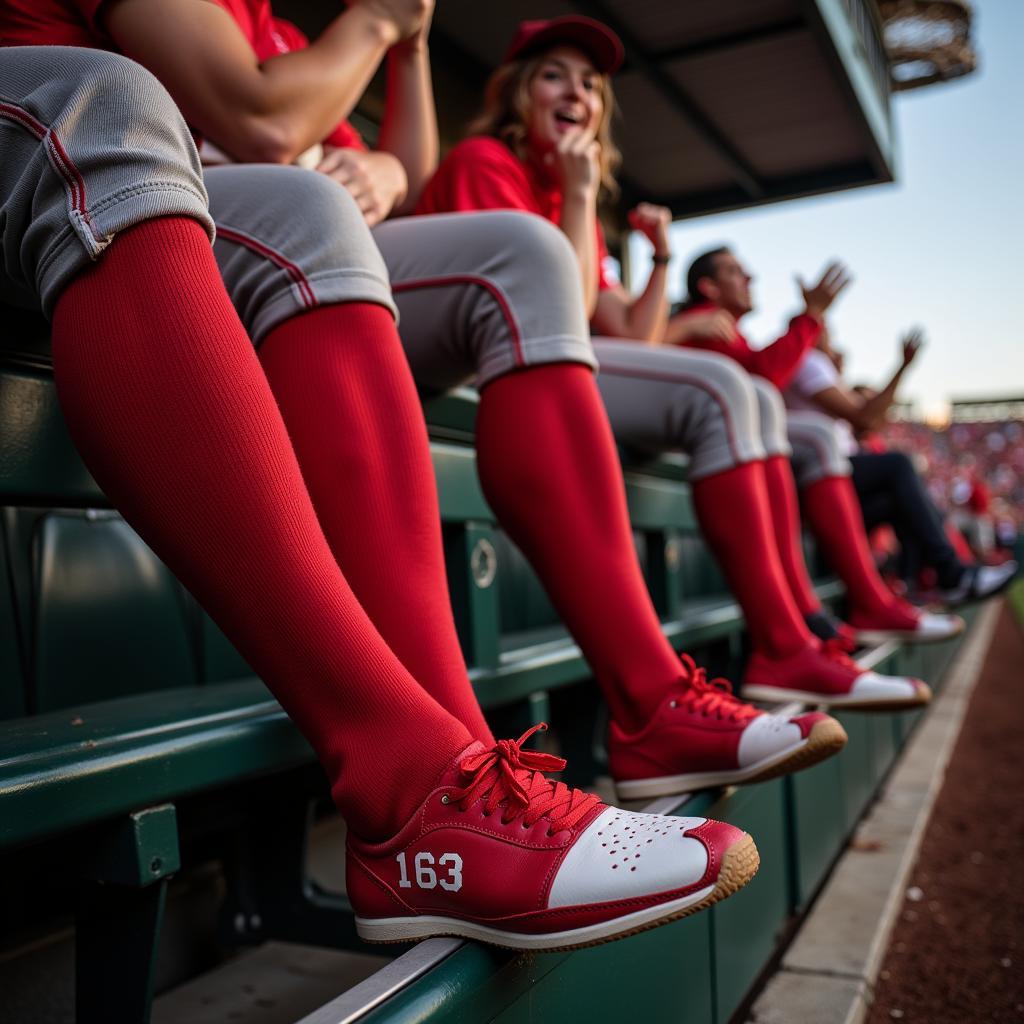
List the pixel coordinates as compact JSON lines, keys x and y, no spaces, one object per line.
{"x":480,"y":282}
{"x":682,"y":378}
{"x":309,"y":300}
{"x":62,"y":163}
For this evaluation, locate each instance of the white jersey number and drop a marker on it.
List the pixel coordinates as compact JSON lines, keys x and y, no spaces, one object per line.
{"x":426,"y":876}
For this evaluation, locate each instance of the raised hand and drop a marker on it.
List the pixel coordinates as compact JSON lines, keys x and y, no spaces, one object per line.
{"x":405,"y":17}
{"x":911,"y":343}
{"x":652,"y":222}
{"x":819,"y":298}
{"x":576,"y":161}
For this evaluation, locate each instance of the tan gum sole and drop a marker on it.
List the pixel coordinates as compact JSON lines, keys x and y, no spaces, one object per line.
{"x":739,"y":865}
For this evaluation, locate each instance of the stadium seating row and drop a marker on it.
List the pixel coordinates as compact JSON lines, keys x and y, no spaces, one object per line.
{"x":134,"y":741}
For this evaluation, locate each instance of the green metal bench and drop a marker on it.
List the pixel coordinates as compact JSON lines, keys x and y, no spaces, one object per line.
{"x":130,"y":729}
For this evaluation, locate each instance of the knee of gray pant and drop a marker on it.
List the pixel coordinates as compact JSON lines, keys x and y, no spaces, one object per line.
{"x":543,"y":247}
{"x":133,"y":109}
{"x":773,"y":417}
{"x":326,"y":227}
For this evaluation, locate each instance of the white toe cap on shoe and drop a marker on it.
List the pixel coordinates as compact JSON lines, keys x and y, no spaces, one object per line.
{"x":871,"y":684}
{"x":622,"y":855}
{"x":767,"y":735}
{"x":989,"y":579}
{"x":937,"y":627}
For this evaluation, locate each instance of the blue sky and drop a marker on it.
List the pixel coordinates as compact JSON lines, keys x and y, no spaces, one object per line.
{"x":941,"y":248}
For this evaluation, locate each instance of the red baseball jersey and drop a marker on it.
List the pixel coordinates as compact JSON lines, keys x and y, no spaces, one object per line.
{"x":484,"y":174}
{"x":78,"y":23}
{"x":776,"y":362}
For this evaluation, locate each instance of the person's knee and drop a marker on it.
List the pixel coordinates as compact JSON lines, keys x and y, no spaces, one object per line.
{"x":538,"y":245}
{"x":137,"y":109}
{"x":772,"y":412}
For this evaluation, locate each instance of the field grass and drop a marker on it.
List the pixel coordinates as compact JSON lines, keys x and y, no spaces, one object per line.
{"x":1015,"y":595}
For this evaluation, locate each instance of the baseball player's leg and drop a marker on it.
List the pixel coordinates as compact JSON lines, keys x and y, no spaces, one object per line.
{"x":304,"y":273}
{"x":498,"y":295}
{"x":668,"y":398}
{"x":783,"y":501}
{"x":891,"y":477}
{"x":834,"y":516}
{"x":167,"y":403}
{"x":661,"y":399}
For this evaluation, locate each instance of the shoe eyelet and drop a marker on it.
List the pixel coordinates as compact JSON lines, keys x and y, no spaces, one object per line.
{"x":526,"y":826}
{"x":673,"y":703}
{"x":446,"y":799}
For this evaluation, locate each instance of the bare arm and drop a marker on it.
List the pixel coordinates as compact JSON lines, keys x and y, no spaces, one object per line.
{"x":643,"y":318}
{"x":865,"y":414}
{"x":579,"y":215}
{"x":270,"y":110}
{"x":409,"y":131}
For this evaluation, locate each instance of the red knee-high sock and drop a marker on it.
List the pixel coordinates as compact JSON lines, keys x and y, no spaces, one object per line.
{"x":734,"y":516}
{"x":834,"y":515}
{"x":347,"y":396}
{"x":785,"y":511}
{"x":169,"y":407}
{"x":549,"y":468}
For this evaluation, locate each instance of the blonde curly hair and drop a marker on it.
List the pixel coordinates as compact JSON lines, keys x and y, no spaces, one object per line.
{"x":507,"y":107}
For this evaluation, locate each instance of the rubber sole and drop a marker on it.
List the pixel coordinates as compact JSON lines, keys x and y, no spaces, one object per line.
{"x":824,"y":740}
{"x":778,"y":695}
{"x":739,"y":865}
{"x":880,"y":636}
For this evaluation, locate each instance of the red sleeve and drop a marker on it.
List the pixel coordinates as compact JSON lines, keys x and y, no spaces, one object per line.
{"x":52,"y":23}
{"x":478,"y":174}
{"x":288,"y":38}
{"x":779,"y":361}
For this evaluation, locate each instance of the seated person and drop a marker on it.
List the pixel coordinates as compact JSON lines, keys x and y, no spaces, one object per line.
{"x":495,"y":296}
{"x":107,"y":230}
{"x":888,"y":486}
{"x":543,"y":145}
{"x":718,"y":284}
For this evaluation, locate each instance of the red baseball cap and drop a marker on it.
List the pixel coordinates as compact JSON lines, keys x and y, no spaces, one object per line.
{"x":597,"y":41}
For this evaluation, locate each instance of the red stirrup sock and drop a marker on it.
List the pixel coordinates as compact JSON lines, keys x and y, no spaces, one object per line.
{"x":785,"y":511}
{"x":172,"y":413}
{"x":734,"y":516}
{"x":834,"y":515}
{"x":348,"y":400}
{"x":549,"y":468}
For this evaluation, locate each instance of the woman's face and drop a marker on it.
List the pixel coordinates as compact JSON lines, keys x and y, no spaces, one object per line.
{"x":565,"y":96}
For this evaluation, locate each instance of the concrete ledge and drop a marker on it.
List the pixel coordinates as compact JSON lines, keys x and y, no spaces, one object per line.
{"x":827,"y":974}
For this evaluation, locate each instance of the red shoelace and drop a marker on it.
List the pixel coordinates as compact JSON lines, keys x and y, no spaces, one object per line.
{"x":837,"y":651}
{"x":510,"y":777}
{"x":711,"y":696}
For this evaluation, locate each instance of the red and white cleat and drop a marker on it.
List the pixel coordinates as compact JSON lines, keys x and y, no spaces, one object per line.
{"x":703,"y":736}
{"x":829,"y":676}
{"x":906,"y":623}
{"x":501,"y":854}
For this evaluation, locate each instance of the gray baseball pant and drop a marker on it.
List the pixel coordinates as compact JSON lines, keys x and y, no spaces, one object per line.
{"x":816,"y":450}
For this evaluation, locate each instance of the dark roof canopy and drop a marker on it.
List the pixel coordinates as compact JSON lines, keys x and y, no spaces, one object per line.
{"x":725,"y":103}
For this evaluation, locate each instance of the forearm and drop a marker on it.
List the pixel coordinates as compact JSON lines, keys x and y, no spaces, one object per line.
{"x":409,"y":130}
{"x":876,"y":408}
{"x":269,"y":111}
{"x":578,"y":221}
{"x":647,"y":315}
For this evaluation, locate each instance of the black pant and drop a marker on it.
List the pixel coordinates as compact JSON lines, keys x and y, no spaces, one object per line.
{"x":890,"y":491}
